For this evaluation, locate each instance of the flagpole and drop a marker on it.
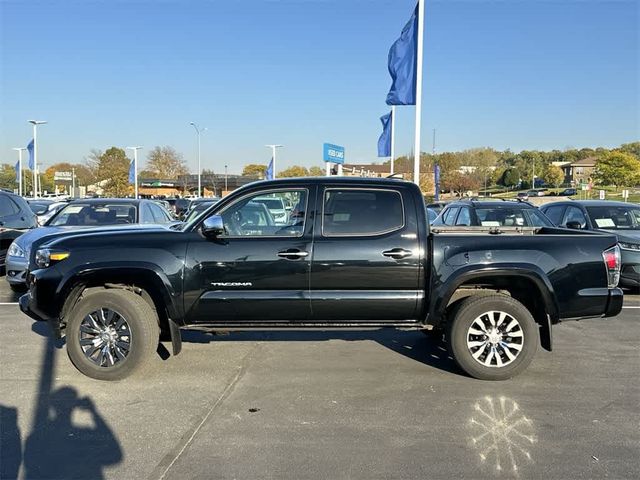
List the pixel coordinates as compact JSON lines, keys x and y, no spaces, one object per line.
{"x":19,"y":150}
{"x":273,"y":155}
{"x":35,"y":124}
{"x":393,"y":137}
{"x":416,"y":145}
{"x":135,"y":168}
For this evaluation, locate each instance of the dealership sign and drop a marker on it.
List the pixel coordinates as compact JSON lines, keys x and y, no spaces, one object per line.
{"x":333,"y":153}
{"x":62,"y":176}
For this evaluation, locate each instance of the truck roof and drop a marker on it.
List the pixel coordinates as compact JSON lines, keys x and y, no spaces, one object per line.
{"x":334,"y":179}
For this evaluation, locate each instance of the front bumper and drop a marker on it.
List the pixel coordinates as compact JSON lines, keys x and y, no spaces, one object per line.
{"x":42,"y":301}
{"x":16,"y":270}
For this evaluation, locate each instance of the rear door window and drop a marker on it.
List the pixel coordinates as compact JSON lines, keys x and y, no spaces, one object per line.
{"x":7,"y":206}
{"x":450,"y":215}
{"x":555,"y":214}
{"x":361,"y":212}
{"x":574,"y":214}
{"x":464,"y":217}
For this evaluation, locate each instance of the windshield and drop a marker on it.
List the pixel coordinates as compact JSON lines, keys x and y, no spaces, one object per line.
{"x":512,"y":217}
{"x":271,"y":203}
{"x":39,"y":207}
{"x":615,"y":217}
{"x":197,"y":210}
{"x":94,"y":214}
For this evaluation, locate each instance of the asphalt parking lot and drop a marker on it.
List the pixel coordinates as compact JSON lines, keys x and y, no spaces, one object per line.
{"x":373,"y":404}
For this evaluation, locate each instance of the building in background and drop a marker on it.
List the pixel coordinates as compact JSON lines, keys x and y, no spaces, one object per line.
{"x":580,"y":172}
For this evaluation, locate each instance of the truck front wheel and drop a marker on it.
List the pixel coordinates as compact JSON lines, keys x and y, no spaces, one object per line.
{"x":111,"y":333}
{"x":493,"y":337}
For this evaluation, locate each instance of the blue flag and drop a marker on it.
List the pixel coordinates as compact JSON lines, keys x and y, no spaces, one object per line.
{"x":18,"y":171}
{"x":436,"y":181}
{"x":384,"y":142}
{"x":403,"y":57}
{"x":132,"y":172}
{"x":30,"y":148}
{"x":269,"y":172}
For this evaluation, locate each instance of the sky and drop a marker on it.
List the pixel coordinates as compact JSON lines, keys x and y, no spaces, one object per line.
{"x":517,"y":74}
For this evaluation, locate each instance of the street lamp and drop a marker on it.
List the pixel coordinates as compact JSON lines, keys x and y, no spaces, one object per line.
{"x":273,"y":156}
{"x":135,"y":169}
{"x":19,"y":150}
{"x":198,"y":131}
{"x":225,"y":179}
{"x":35,"y":124}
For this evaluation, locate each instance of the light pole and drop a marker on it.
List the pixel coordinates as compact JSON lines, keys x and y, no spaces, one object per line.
{"x":225,"y":179}
{"x":19,"y":150}
{"x":135,"y":169}
{"x":198,"y":131}
{"x":35,"y":124}
{"x":273,"y":155}
{"x":73,"y":182}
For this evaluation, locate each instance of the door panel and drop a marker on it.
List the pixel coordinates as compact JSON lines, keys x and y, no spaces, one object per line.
{"x":357,"y":273}
{"x":260,"y":275}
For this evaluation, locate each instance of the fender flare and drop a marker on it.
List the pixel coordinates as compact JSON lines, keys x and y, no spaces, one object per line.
{"x":442,"y":294}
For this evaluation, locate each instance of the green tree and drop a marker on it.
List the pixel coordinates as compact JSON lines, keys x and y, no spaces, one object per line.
{"x":8,"y":176}
{"x":113,"y":170}
{"x":255,"y":170}
{"x":316,"y":172}
{"x":166,"y":163}
{"x":632,"y":148}
{"x":511,"y":177}
{"x":618,"y":168}
{"x":553,"y":175}
{"x":294,"y":171}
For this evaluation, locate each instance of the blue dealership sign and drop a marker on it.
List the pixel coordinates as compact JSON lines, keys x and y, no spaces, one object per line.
{"x":333,"y":153}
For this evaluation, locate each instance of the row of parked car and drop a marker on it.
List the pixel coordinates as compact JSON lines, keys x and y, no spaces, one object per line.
{"x":22,"y":221}
{"x":621,"y":219}
{"x":18,"y":215}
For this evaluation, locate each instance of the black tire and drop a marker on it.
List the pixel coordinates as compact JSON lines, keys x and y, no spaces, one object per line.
{"x":141,"y":320}
{"x":471,"y":310}
{"x":18,"y":287}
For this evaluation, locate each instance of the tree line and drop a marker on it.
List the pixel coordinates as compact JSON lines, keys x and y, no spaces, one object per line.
{"x":619,"y":167}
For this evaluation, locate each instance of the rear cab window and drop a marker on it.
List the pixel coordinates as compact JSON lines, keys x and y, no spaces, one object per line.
{"x":361,"y":212}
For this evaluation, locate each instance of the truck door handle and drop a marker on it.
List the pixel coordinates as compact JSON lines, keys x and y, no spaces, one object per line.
{"x":292,"y":254}
{"x":397,"y":253}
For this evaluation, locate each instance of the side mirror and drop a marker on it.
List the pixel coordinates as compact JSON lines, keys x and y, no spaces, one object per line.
{"x":213,"y":226}
{"x":574,"y":225}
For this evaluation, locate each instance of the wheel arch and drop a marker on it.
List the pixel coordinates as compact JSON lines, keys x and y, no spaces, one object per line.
{"x":151,"y":284}
{"x":526,"y":283}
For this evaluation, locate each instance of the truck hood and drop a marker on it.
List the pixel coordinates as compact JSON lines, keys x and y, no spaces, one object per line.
{"x":45,"y":234}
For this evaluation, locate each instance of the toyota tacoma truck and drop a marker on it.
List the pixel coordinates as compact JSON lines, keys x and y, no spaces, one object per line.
{"x":352,"y":253}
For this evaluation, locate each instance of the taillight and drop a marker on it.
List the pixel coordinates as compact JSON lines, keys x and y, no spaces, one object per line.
{"x":612,"y":262}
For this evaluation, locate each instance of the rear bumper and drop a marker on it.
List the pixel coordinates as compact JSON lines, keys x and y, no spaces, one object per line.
{"x":614,"y":302}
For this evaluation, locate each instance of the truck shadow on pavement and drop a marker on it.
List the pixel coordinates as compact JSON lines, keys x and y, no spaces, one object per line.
{"x":431,"y":350}
{"x":68,"y":437}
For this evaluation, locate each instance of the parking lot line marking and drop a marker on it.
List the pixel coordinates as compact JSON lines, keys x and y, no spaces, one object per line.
{"x":635,"y":306}
{"x":8,"y":303}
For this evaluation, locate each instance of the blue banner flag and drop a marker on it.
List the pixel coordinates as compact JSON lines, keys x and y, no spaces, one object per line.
{"x":132,"y":172}
{"x":18,"y":171}
{"x":436,"y":181}
{"x":30,"y":148}
{"x":403,"y":57}
{"x":384,"y":142}
{"x":269,"y":172}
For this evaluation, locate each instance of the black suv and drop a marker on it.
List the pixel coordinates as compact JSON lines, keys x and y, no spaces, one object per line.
{"x":491,"y":213}
{"x":15,"y":218}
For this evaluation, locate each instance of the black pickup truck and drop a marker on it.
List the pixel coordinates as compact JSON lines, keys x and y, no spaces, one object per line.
{"x":350,"y":252}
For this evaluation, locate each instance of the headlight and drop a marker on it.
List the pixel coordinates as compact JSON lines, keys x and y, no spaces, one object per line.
{"x":45,"y":257}
{"x":627,"y":246}
{"x":16,"y":251}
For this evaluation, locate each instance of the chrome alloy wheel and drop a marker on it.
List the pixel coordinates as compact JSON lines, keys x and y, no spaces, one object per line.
{"x":105,"y":337}
{"x":495,"y":339}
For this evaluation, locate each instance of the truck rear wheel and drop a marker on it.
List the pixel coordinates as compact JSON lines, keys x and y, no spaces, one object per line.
{"x":493,"y":337}
{"x":111,"y":333}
